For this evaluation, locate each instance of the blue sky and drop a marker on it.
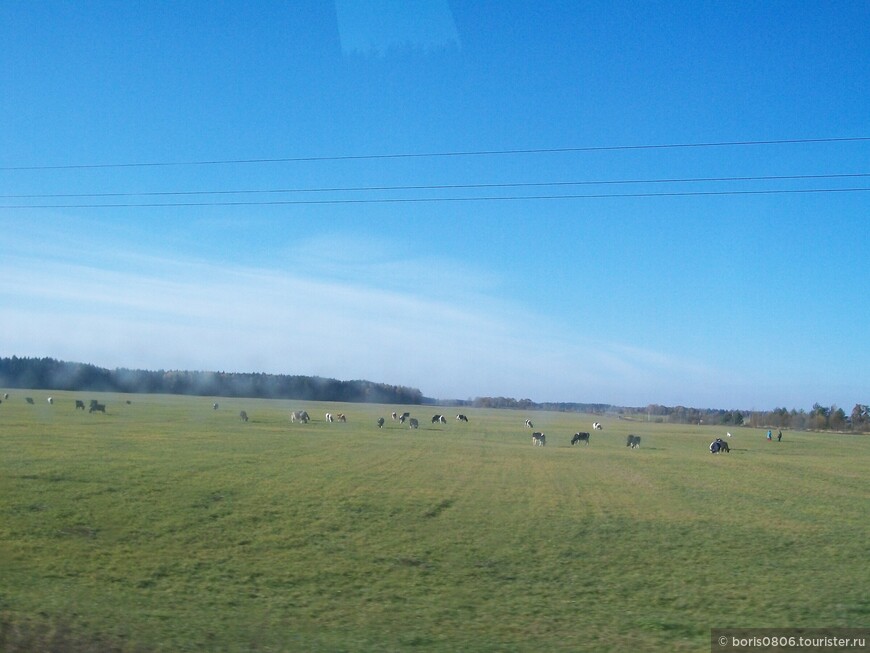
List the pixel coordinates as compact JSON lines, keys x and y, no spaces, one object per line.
{"x":699,"y":293}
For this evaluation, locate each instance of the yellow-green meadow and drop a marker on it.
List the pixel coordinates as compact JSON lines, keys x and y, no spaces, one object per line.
{"x":168,"y":525}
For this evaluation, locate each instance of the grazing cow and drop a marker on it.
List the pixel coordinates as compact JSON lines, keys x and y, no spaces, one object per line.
{"x":439,"y":418}
{"x":529,"y":424}
{"x":633,"y":441}
{"x":341,"y":417}
{"x":329,"y":418}
{"x":394,"y":416}
{"x":98,"y":408}
{"x":719,"y":445}
{"x":539,"y":439}
{"x":29,"y":400}
{"x":6,"y":395}
{"x":413,"y":423}
{"x":214,"y":406}
{"x":462,"y":418}
{"x":299,"y":416}
{"x":243,"y":416}
{"x":380,"y":422}
{"x":403,"y":417}
{"x":50,"y":401}
{"x":596,"y":426}
{"x":580,"y":437}
{"x":80,"y":404}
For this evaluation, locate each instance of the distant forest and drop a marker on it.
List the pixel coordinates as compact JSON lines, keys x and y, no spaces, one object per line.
{"x":819,"y":418}
{"x":51,"y":374}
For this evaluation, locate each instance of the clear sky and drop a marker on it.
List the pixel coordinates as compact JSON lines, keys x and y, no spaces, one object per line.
{"x":274,"y":231}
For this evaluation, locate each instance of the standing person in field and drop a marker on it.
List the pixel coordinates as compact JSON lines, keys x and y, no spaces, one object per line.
{"x":769,"y":436}
{"x":779,"y":437}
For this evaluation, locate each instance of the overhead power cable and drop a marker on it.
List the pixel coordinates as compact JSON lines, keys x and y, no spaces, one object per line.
{"x":411,"y":155}
{"x":356,"y":189}
{"x":400,"y":200}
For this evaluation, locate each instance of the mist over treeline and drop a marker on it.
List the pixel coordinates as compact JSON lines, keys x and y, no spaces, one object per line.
{"x":51,"y":374}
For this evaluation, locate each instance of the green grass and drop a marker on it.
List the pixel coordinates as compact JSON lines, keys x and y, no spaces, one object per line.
{"x":165,"y":525}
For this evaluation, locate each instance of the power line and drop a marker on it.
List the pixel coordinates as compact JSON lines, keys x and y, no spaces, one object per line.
{"x":543,"y":184}
{"x":401,"y":200}
{"x":409,"y":155}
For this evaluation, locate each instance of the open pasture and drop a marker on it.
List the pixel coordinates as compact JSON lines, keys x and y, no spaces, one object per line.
{"x":167,"y":525}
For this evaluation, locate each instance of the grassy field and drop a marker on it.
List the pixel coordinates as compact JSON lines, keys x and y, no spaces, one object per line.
{"x":165,"y":525}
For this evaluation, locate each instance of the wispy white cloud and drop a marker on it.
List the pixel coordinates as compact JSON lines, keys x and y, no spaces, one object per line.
{"x":352,"y":309}
{"x":389,"y":264}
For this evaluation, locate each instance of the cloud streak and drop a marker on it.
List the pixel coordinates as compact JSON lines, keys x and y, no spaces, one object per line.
{"x":167,"y":314}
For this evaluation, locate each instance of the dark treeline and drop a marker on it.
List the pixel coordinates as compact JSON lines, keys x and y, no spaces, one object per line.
{"x":819,"y":418}
{"x":51,"y":374}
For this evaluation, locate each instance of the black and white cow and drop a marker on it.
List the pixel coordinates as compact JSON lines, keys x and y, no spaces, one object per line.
{"x":539,"y":439}
{"x":403,"y":417}
{"x":80,"y":404}
{"x":633,"y":441}
{"x":381,"y":422}
{"x":50,"y":400}
{"x":215,"y":406}
{"x":413,"y":423}
{"x":440,"y":419}
{"x":243,"y":416}
{"x":596,"y":426}
{"x":462,"y":418}
{"x":719,"y":445}
{"x":98,"y":408}
{"x":300,"y":416}
{"x":580,"y":437}
{"x":329,"y":418}
{"x":529,"y":424}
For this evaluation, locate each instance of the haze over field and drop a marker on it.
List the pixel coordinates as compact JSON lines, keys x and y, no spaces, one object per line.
{"x":604,"y":202}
